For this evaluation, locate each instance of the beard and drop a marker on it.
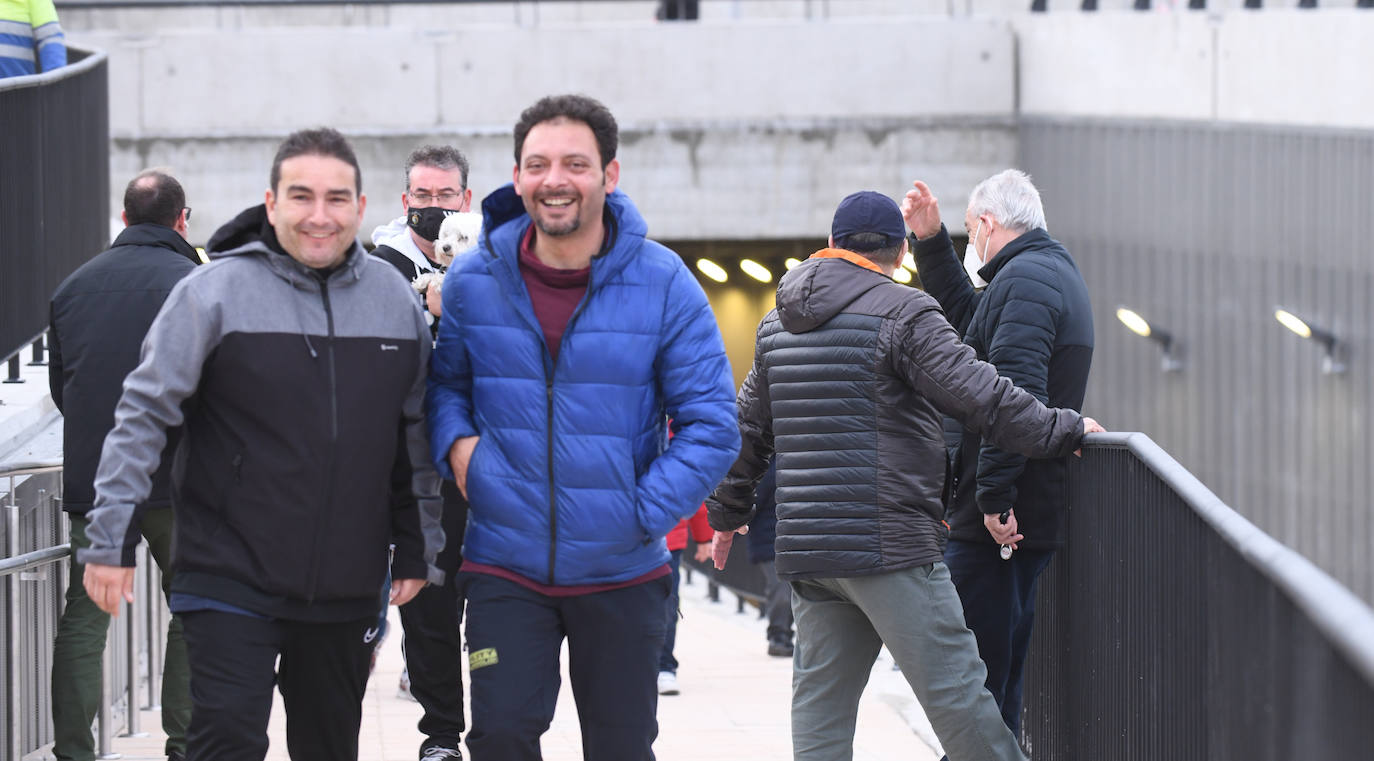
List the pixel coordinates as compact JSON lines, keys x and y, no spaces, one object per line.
{"x":558,"y":229}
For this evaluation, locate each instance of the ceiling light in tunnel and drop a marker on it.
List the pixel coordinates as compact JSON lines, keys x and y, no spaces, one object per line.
{"x":755,"y":270}
{"x":901,"y":276}
{"x":712,"y":270}
{"x":791,"y":262}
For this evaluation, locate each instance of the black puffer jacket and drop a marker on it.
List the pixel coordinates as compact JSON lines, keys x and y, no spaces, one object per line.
{"x":1035,"y":324}
{"x":852,"y":373}
{"x":99,"y":316}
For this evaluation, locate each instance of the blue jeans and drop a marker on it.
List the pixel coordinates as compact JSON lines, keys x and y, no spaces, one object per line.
{"x":999,"y":606}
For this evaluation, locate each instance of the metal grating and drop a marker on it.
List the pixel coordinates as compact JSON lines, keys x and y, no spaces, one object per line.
{"x":1204,"y":229}
{"x":1170,"y":631}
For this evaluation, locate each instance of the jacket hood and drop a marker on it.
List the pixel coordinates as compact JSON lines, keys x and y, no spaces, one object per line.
{"x":250,"y":234}
{"x":151,"y":234}
{"x":383,"y":233}
{"x":504,"y":222}
{"x":822,"y":286}
{"x":251,"y":224}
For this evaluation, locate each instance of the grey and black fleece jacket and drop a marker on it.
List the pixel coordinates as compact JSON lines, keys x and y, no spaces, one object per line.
{"x":852,"y":374}
{"x":303,"y":451}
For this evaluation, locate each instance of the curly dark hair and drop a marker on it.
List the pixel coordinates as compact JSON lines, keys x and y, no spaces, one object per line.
{"x":582,"y":108}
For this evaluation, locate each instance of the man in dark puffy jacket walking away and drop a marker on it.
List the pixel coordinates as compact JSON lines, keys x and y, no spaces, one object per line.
{"x":568,"y":339}
{"x":1034,"y":323}
{"x":100,"y":315}
{"x":851,"y":375}
{"x":295,"y":364}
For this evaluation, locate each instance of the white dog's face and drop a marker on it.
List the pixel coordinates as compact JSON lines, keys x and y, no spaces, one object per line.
{"x":458,"y":234}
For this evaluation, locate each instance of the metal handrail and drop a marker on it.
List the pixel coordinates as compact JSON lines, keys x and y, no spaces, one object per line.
{"x":34,"y":559}
{"x":90,"y":59}
{"x":1344,"y":619}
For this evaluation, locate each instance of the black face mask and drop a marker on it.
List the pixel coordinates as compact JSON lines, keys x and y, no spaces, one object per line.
{"x":427,"y":221}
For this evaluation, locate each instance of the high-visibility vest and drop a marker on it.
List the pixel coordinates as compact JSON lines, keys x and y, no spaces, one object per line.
{"x":30,"y":38}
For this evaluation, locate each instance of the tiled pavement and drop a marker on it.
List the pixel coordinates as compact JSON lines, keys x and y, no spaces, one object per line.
{"x":733,"y":706}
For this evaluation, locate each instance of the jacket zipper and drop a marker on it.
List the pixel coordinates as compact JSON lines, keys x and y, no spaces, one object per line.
{"x":333,"y":443}
{"x":548,"y":393}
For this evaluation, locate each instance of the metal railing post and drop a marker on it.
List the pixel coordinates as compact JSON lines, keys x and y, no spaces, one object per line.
{"x":152,"y":594}
{"x":38,"y":352}
{"x":131,"y":689}
{"x":12,"y":589}
{"x":14,"y":371}
{"x":106,"y":720}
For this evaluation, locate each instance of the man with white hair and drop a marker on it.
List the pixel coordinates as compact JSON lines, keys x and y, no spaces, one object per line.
{"x":1033,"y":321}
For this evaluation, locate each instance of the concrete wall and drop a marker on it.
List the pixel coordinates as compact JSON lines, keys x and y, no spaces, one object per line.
{"x":1283,"y":67}
{"x":757,"y":128}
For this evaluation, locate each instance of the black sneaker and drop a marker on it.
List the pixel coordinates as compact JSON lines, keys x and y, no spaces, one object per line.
{"x":440,"y":753}
{"x":780,"y":648}
{"x":176,"y":755}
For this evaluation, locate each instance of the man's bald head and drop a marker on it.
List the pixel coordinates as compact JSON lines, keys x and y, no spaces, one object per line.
{"x":153,"y":196}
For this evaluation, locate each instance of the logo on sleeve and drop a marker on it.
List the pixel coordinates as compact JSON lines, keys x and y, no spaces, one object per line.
{"x":390,"y":347}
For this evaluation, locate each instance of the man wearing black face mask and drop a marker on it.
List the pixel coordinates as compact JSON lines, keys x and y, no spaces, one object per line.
{"x":436,"y":183}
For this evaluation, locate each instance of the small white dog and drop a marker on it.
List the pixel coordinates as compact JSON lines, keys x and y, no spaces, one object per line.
{"x":459,"y":233}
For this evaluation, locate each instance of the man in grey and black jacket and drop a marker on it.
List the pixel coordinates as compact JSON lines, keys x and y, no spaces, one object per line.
{"x":1034,"y":322}
{"x":852,"y":373}
{"x":296,"y":365}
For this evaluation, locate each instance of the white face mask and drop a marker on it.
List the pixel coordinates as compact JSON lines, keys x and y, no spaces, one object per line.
{"x":972,"y":262}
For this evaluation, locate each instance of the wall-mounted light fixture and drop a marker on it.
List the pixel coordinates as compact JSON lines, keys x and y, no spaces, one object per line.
{"x":755,"y":270}
{"x":1331,"y":359}
{"x":712,"y":270}
{"x":1171,"y":362}
{"x":902,"y":275}
{"x":791,"y":262}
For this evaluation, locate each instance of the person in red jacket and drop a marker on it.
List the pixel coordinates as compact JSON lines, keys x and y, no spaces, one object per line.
{"x":677,"y":542}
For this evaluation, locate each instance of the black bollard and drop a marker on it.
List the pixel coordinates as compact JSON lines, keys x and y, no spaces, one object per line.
{"x":14,"y":371}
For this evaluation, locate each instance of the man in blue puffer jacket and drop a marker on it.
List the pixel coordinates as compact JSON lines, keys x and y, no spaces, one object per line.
{"x":567,"y":340}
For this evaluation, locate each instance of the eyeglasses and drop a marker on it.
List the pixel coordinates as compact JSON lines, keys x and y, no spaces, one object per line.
{"x":425,"y":199}
{"x":187,"y":209}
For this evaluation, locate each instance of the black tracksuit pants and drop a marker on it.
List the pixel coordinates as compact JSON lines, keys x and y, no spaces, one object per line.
{"x":433,"y":642}
{"x":322,"y":676}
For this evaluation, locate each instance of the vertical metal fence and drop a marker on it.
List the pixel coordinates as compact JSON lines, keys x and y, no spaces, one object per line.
{"x":54,"y":186}
{"x":33,"y":580}
{"x":1172,"y":628}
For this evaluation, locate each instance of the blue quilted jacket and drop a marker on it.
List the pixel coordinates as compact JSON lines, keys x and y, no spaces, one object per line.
{"x":573,"y":480}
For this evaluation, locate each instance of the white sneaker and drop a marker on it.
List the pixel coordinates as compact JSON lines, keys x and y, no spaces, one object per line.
{"x":667,"y":683}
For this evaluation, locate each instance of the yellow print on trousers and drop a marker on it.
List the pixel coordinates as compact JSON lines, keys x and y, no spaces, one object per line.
{"x":483,"y":657}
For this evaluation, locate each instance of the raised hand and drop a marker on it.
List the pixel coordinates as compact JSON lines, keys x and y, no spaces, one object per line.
{"x":921,"y":210}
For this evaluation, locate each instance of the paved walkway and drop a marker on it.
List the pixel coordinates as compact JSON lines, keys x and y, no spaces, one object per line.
{"x":733,"y":706}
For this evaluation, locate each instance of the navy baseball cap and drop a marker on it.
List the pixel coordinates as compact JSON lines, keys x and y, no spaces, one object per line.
{"x":868,"y":211}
